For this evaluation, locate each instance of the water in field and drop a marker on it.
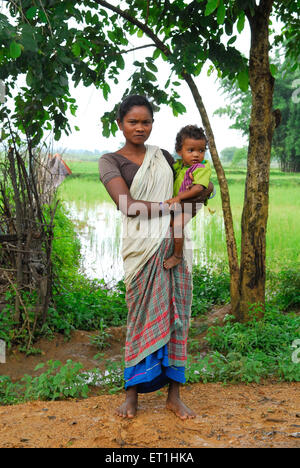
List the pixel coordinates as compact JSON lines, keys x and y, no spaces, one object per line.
{"x":99,"y":231}
{"x":99,"y":227}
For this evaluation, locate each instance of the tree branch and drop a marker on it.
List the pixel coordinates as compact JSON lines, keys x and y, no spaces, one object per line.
{"x":136,"y":48}
{"x":265,"y":6}
{"x":159,"y":44}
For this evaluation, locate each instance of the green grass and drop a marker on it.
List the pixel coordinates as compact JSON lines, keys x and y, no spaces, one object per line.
{"x":283,"y":223}
{"x":251,"y":352}
{"x":83,"y":186}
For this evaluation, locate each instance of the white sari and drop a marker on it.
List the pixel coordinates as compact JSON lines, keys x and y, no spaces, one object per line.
{"x":142,"y":237}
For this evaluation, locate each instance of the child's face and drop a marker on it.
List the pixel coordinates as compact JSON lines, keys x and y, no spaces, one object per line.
{"x":192,"y":151}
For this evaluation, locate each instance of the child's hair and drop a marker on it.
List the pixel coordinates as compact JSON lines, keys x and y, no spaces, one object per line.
{"x":189,"y":131}
{"x":131,"y":101}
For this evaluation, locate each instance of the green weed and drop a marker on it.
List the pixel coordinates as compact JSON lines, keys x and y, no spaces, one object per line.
{"x":259,"y":349}
{"x":101,"y":339}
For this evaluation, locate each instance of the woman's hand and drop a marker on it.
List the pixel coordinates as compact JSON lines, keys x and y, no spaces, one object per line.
{"x":174,"y":203}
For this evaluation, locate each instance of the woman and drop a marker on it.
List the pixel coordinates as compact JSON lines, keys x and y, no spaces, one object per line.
{"x":139,"y":178}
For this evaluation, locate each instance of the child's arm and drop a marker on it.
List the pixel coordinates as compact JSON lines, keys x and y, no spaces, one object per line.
{"x":193,"y":192}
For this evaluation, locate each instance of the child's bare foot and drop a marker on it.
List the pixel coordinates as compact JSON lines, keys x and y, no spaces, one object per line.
{"x":129,"y":408}
{"x":179,"y":408}
{"x":172,"y":261}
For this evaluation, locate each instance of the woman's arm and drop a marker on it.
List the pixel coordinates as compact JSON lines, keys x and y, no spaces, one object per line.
{"x":120,"y":194}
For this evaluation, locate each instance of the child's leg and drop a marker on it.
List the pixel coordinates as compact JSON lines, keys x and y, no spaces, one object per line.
{"x":178,"y":225}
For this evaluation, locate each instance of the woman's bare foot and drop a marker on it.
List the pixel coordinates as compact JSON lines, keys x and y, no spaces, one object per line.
{"x":129,"y":408}
{"x":175,"y":404}
{"x":172,"y":261}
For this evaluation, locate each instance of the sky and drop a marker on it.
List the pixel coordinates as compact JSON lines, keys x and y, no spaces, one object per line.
{"x":92,"y":105}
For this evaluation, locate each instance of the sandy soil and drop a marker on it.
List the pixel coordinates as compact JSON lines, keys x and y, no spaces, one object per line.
{"x":235,"y":416}
{"x":227,"y":416}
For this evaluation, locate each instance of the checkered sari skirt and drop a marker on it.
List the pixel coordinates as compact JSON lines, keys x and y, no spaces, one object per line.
{"x":159,"y":307}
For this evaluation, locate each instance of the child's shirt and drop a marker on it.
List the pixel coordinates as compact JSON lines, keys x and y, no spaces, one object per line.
{"x":201,"y":174}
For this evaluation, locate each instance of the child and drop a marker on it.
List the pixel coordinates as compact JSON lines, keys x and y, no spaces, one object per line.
{"x":191,"y":144}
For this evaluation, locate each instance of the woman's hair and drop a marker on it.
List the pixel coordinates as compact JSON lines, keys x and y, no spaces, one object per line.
{"x":131,"y":101}
{"x":190,"y":131}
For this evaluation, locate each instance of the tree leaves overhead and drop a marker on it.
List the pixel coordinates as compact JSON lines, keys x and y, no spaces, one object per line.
{"x":54,"y":42}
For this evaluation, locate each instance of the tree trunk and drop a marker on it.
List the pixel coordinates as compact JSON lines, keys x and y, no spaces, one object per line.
{"x":255,"y":211}
{"x":228,"y":221}
{"x":19,"y":229}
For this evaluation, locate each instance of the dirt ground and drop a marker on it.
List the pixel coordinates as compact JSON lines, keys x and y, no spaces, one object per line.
{"x":239,"y":416}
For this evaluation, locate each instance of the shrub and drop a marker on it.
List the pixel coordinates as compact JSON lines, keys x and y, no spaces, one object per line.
{"x":210,"y":287}
{"x":251,"y":351}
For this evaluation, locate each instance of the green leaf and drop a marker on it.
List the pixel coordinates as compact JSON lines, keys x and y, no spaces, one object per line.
{"x":241,"y":22}
{"x":140,"y":33}
{"x":31,"y":12}
{"x":221,"y":13}
{"x":28,"y":39}
{"x":114,"y":128}
{"x":152,"y":66}
{"x":178,"y":108}
{"x":106,"y":90}
{"x":39,"y":366}
{"x":273,"y":70}
{"x":29,"y":78}
{"x":232,"y":40}
{"x":15,"y":50}
{"x":76,"y":49}
{"x":156,"y":54}
{"x":243,"y":80}
{"x":150,"y":76}
{"x":111,"y":36}
{"x":211,"y":6}
{"x":120,"y":62}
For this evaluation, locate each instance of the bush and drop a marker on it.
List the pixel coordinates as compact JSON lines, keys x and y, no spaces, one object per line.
{"x":285,"y":287}
{"x":78,"y":302}
{"x":251,"y":351}
{"x":210,"y":287}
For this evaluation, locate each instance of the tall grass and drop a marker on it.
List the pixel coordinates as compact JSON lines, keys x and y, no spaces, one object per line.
{"x":83,"y":185}
{"x":283,"y":224}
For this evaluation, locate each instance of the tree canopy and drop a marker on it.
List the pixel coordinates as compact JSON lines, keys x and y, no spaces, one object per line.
{"x":53,"y":42}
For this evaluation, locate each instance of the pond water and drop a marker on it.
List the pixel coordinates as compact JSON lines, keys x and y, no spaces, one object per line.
{"x":99,"y":229}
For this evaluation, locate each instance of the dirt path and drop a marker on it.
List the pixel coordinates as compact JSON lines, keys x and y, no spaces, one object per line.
{"x":233,"y":416}
{"x":227,"y":416}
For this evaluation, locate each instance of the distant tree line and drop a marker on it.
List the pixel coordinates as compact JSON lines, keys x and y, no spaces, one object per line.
{"x":286,"y":143}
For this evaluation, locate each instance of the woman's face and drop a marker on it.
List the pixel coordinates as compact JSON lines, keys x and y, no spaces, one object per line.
{"x":136,"y":125}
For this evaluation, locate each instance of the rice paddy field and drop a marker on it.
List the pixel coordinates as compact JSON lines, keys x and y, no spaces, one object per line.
{"x":84,"y":191}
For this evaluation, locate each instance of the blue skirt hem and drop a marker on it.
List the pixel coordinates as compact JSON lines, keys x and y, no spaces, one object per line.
{"x":153,"y":372}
